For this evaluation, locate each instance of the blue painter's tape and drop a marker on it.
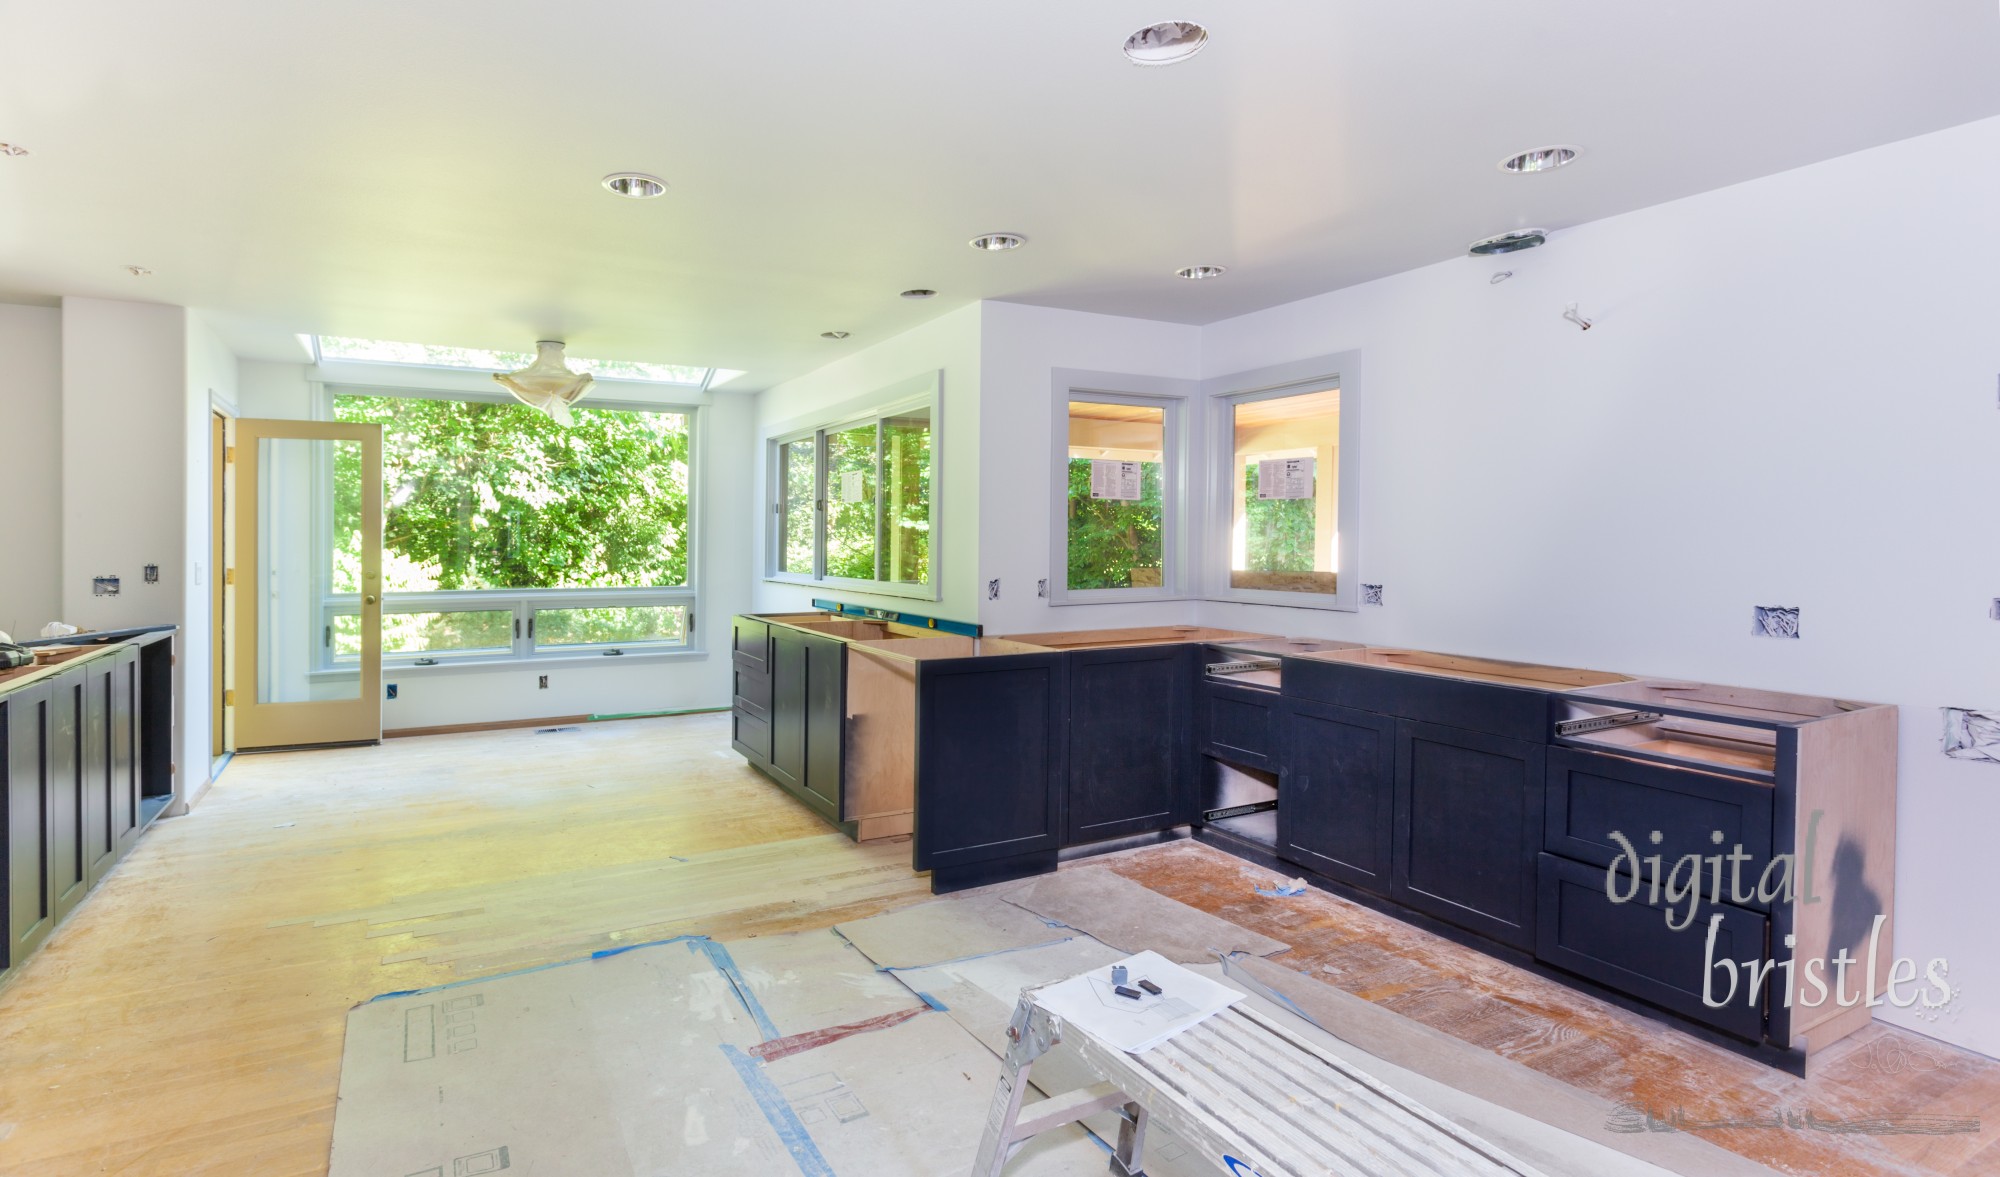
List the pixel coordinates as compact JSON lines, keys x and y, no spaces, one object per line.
{"x":726,"y":965}
{"x":600,"y":954}
{"x":778,"y":1112}
{"x":933,"y":1002}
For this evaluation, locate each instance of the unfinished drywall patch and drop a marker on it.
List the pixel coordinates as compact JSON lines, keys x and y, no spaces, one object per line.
{"x":1774,"y":621}
{"x":1972,"y":735}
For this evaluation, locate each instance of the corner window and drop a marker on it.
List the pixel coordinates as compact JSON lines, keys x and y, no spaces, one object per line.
{"x":1116,"y":533}
{"x":508,"y":535}
{"x":1282,"y":508}
{"x":854,"y":502}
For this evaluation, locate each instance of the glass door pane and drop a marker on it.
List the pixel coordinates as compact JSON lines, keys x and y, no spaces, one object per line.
{"x":308,"y":547}
{"x":1285,"y":481}
{"x":1117,"y":483}
{"x":795,"y":506}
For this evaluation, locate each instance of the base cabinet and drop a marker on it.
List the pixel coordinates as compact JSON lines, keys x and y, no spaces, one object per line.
{"x":1130,"y":740}
{"x":28,"y":731}
{"x":1468,"y":828}
{"x":990,"y":767}
{"x":808,"y":717}
{"x":1336,"y":793}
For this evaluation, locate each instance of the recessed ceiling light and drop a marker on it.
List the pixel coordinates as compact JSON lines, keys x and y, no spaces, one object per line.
{"x":1197,"y":273}
{"x":919,"y":292}
{"x":833,"y":335}
{"x":12,"y":149}
{"x":636,"y":185}
{"x":1512,"y":242}
{"x":998,"y":242}
{"x":1165,"y":43}
{"x":137,"y":271}
{"x":1541,"y":159}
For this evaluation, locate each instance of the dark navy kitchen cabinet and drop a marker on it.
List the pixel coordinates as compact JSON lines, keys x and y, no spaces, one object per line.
{"x":1468,"y":828}
{"x":990,"y":767}
{"x":1130,"y":741}
{"x":1336,"y":793}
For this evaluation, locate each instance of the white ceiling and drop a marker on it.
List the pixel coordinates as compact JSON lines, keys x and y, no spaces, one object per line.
{"x":428,"y":171}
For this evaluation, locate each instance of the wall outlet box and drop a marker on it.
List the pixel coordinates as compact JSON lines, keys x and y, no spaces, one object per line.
{"x":542,"y":683}
{"x":152,"y":574}
{"x":392,"y":690}
{"x":103,"y":586}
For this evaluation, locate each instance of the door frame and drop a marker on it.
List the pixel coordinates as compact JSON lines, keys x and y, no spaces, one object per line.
{"x":290,"y":725}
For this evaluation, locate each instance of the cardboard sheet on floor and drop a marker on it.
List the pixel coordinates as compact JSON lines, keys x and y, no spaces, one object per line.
{"x":948,"y":929}
{"x":1539,"y":1118}
{"x":1123,"y":914}
{"x":666,"y":1059}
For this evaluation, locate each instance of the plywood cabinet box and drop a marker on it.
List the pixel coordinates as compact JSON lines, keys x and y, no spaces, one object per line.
{"x":84,"y":768}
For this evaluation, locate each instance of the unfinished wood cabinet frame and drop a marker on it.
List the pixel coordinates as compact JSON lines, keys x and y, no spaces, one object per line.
{"x":343,"y":721}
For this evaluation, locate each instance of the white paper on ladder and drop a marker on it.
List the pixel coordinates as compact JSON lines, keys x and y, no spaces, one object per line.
{"x":1090,"y":1003}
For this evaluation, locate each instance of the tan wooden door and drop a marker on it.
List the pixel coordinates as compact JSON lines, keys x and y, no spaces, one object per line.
{"x":307,"y":575}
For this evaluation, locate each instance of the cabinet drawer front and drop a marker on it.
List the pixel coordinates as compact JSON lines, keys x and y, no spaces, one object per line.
{"x":751,"y":734}
{"x":1590,"y":796}
{"x":753,"y":687}
{"x":1629,"y":947}
{"x":1240,"y":725}
{"x":750,"y":644}
{"x":1518,"y":713}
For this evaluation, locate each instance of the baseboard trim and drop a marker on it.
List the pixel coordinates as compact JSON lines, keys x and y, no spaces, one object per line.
{"x":452,"y":729}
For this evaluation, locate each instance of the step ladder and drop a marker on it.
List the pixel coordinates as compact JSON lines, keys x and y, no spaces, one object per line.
{"x":1253,"y":1097}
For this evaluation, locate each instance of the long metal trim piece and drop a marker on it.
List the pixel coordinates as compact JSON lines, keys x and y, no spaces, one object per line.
{"x":1598,"y":723}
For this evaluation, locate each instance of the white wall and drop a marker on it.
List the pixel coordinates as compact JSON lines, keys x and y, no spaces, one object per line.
{"x":949,"y":344}
{"x":125,"y":478}
{"x":435,"y":696}
{"x":1788,"y":398}
{"x":30,"y":468}
{"x":1020,"y":347}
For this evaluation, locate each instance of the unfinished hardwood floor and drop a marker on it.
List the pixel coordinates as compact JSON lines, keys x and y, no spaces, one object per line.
{"x":189,"y":1019}
{"x":1605,"y":1050}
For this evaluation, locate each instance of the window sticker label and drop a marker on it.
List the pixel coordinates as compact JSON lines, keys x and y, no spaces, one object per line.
{"x":853,"y":486}
{"x":1285,"y":478}
{"x":1111,"y":479}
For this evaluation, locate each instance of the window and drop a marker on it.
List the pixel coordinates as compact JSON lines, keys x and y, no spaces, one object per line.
{"x":1117,"y":532}
{"x":1283,"y":495}
{"x":505,"y":534}
{"x":855,"y":503}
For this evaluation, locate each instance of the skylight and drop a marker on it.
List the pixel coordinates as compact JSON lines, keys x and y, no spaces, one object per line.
{"x":479,"y":359}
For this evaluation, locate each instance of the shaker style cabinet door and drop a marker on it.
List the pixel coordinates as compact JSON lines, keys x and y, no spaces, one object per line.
{"x":1469,"y":829}
{"x":1336,"y":793}
{"x":1130,"y":743}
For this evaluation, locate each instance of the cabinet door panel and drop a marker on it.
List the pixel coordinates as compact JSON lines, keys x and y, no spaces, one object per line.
{"x":125,"y":751}
{"x":31,"y":909}
{"x":1129,"y":739}
{"x":990,"y":770}
{"x":788,"y":707}
{"x":1336,"y":793}
{"x":1468,"y":828}
{"x":100,"y":837}
{"x":826,"y":717}
{"x":69,"y":868}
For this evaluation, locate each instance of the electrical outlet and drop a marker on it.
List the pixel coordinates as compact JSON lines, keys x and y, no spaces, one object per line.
{"x":1042,"y":589}
{"x":392,"y":690}
{"x":152,"y":574}
{"x":992,"y":590}
{"x":542,"y":683}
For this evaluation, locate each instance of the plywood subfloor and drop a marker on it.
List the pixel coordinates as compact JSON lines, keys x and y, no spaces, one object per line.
{"x":188,"y":1019}
{"x":1601,"y":1048}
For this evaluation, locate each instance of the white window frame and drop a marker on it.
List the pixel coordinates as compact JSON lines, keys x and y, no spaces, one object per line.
{"x":1222,"y":394}
{"x":1175,"y":398}
{"x":918,"y":392}
{"x":522,"y":603}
